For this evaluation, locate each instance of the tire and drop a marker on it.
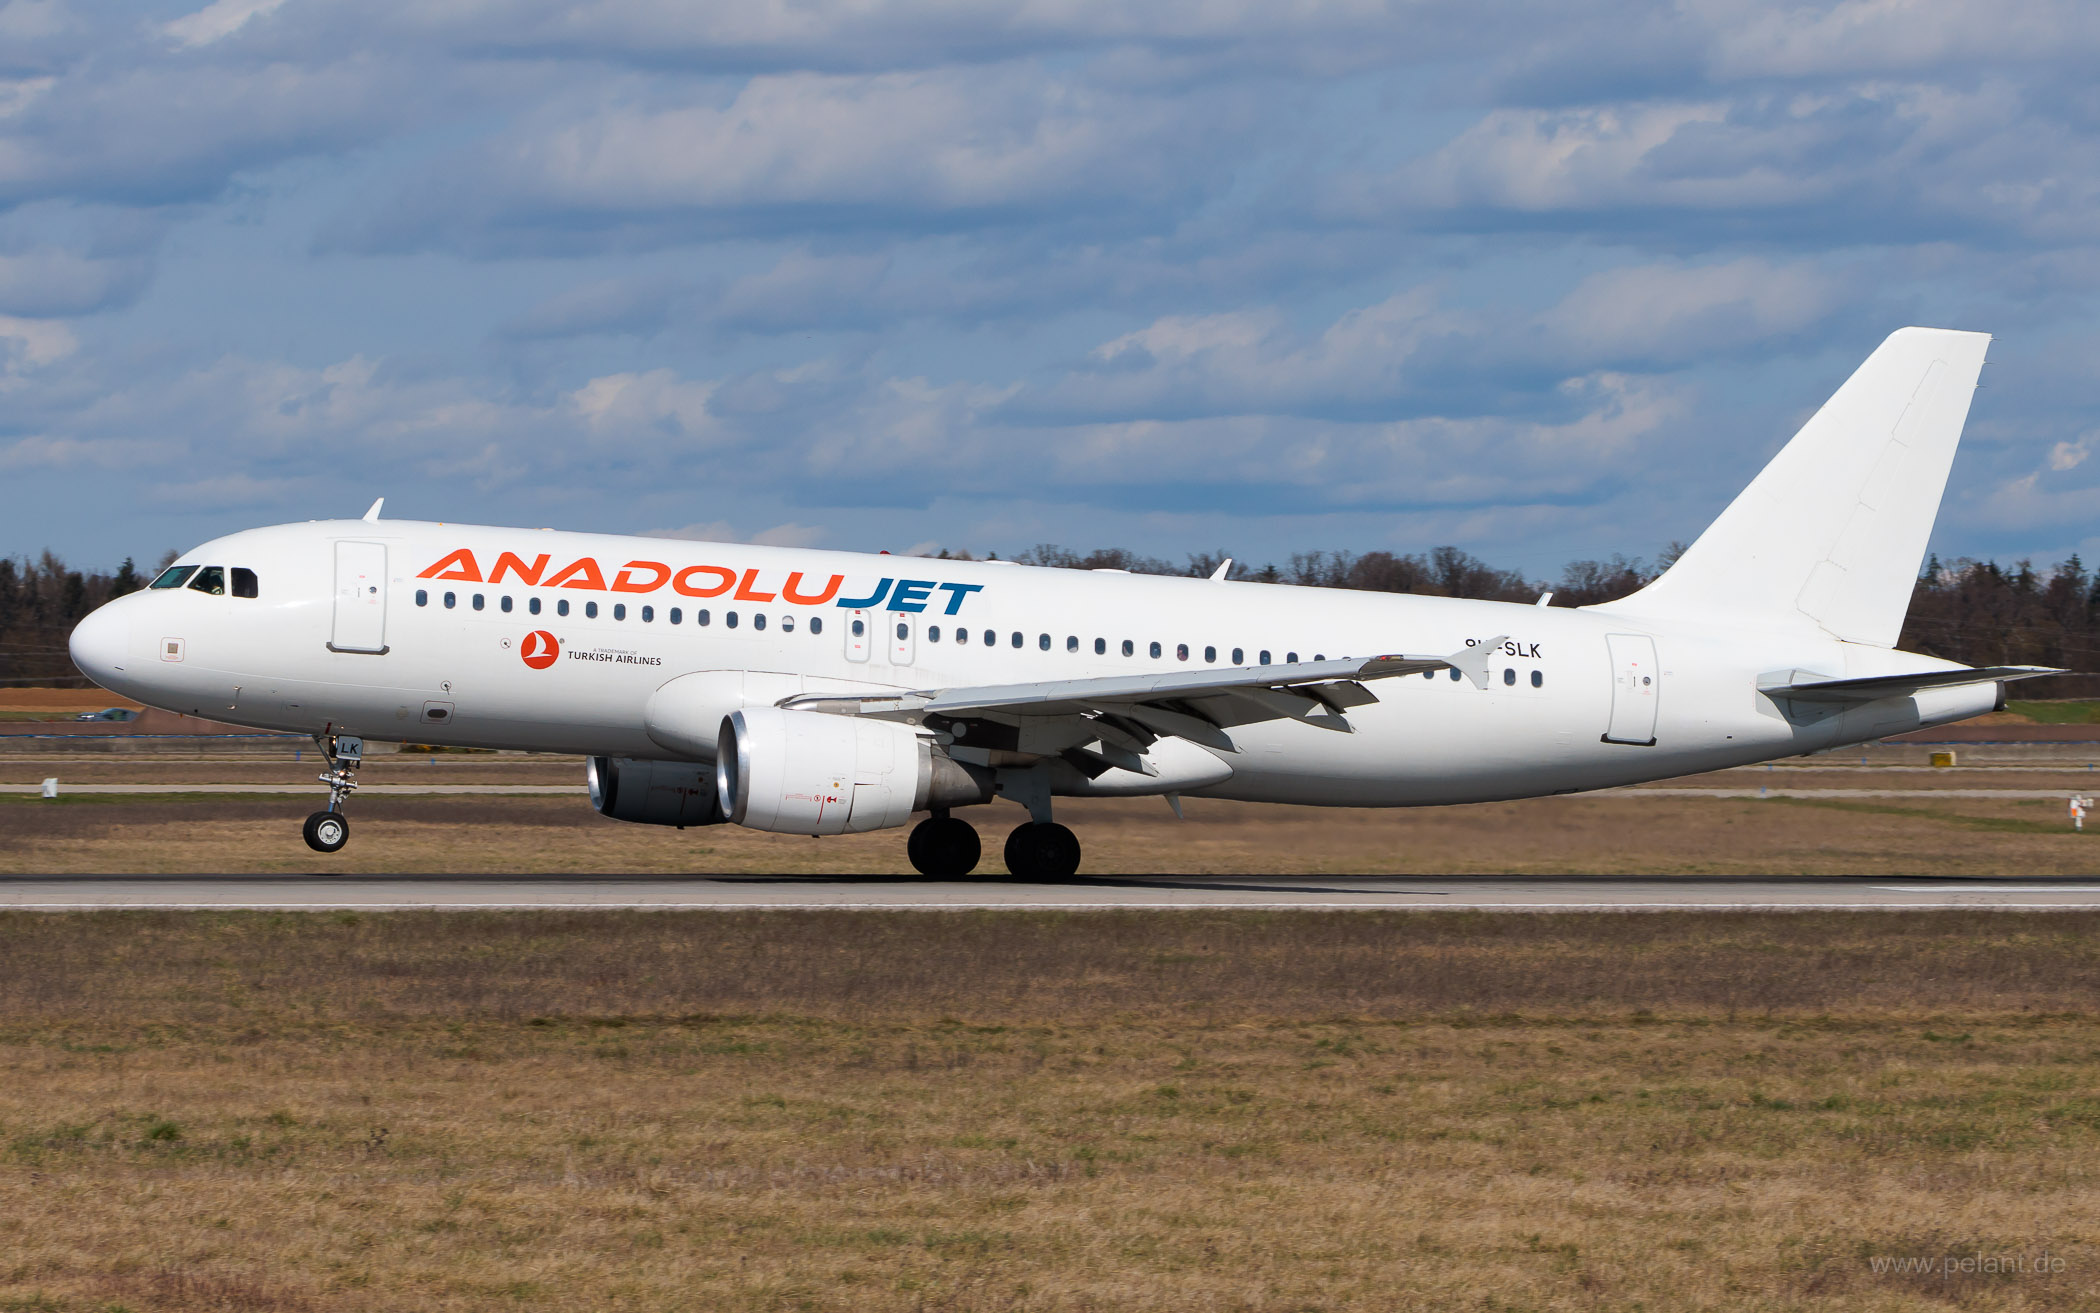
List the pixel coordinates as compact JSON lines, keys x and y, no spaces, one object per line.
{"x":1042,"y":850}
{"x":943,"y":848}
{"x":327,"y":832}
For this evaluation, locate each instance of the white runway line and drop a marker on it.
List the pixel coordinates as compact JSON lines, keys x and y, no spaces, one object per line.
{"x":406,"y":790}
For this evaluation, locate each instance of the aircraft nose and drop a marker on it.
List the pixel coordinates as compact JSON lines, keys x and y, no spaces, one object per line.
{"x":101,"y":644}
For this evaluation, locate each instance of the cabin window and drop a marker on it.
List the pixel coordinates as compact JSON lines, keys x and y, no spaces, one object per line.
{"x":933,"y":633}
{"x":1210,"y":656}
{"x":1264,"y":656}
{"x":422,"y":597}
{"x":816,"y":624}
{"x":787,"y":624}
{"x":505,"y":603}
{"x":1429,"y":674}
{"x":532,"y":604}
{"x":211,"y":579}
{"x":1042,"y":642}
{"x":590,"y":610}
{"x":1100,"y":647}
{"x":677,"y":615}
{"x":1538,"y":679}
{"x":451,"y":600}
{"x":1509,"y":676}
{"x":619,"y":610}
{"x":1017,"y":638}
{"x":701,"y":617}
{"x":961,"y":635}
{"x":1290,"y":658}
{"x":1239,"y":656}
{"x":478,"y":601}
{"x":1129,"y":648}
{"x":1181,"y":651}
{"x":174,"y":576}
{"x":648,"y":615}
{"x":903,"y":630}
{"x":1454,"y":674}
{"x":243,"y":582}
{"x":1155,"y":649}
{"x":561,"y":606}
{"x":758,"y":620}
{"x":729,"y":618}
{"x":1071,"y":642}
{"x":859,"y":629}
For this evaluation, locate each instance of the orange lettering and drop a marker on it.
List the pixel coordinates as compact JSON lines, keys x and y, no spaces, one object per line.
{"x":683,"y":585}
{"x":624,"y":582}
{"x":511,"y":563}
{"x":460,"y":565}
{"x":746,"y":593}
{"x":793,"y":592}
{"x":583,"y":574}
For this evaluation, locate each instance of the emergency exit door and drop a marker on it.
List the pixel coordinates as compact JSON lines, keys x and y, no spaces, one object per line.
{"x":360,"y":598}
{"x":1636,"y":683}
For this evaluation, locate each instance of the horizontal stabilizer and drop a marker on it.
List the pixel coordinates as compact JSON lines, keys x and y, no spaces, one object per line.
{"x":1896,"y":686}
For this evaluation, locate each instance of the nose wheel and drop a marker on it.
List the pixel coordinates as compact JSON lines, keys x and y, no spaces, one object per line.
{"x":943,"y":847}
{"x":327,"y":831}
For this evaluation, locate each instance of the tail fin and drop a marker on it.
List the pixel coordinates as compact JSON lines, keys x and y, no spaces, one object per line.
{"x":1834,"y":529}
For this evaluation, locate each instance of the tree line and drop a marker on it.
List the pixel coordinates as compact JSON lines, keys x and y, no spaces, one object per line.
{"x":1976,"y":612}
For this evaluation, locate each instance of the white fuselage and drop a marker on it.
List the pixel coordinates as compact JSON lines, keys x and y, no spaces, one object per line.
{"x":457,"y":612}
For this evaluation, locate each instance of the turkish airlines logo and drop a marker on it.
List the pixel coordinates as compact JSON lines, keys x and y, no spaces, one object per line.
{"x":540,"y":650}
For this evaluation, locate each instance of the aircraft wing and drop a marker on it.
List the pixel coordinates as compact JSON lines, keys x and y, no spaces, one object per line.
{"x":1895,"y":686}
{"x":1117,"y":717}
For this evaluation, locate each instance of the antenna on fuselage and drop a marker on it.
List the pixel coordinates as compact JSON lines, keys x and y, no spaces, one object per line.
{"x":373,"y":514}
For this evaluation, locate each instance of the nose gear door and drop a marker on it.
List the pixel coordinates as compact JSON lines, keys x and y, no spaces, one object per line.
{"x":360,"y":598}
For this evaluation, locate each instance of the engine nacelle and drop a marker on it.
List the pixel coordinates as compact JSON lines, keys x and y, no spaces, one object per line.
{"x":678,"y":793}
{"x":807,"y":772}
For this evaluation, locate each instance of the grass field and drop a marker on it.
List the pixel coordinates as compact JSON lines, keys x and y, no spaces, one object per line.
{"x":1616,"y":835}
{"x":775,"y":1111}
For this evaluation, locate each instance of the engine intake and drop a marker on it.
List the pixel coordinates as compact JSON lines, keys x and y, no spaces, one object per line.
{"x":807,"y":772}
{"x":679,"y":793}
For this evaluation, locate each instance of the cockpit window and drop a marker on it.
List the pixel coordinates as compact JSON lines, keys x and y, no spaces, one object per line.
{"x":211,"y":579}
{"x":174,"y":576}
{"x":243,"y":582}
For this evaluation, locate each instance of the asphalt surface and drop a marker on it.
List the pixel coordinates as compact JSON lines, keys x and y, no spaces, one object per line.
{"x":1569,"y":893}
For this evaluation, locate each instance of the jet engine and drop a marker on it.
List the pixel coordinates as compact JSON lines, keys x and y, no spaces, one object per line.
{"x":808,"y":772}
{"x":679,"y":793}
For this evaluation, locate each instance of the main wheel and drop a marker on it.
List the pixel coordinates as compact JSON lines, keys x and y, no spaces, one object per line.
{"x":1042,"y":850}
{"x":943,"y":847}
{"x":327,"y":832}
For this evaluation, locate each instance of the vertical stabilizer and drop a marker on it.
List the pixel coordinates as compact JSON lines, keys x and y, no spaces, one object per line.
{"x":1833,"y":531}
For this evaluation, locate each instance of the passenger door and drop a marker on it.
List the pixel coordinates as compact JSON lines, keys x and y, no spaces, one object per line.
{"x":360,"y":598}
{"x":1636,"y":684}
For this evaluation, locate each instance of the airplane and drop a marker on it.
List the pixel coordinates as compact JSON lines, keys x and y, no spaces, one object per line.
{"x":820,"y":693}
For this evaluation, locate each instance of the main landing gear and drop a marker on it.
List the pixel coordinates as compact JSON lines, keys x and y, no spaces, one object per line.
{"x":328,"y":831}
{"x":946,"y":848}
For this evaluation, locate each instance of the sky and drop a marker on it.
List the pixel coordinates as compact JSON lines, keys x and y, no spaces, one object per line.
{"x":1539,"y":280}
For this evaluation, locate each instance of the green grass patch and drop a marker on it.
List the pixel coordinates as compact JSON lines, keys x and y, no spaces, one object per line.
{"x":2070,"y":711}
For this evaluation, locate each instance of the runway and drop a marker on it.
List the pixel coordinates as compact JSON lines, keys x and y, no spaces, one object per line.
{"x":1475,"y":893}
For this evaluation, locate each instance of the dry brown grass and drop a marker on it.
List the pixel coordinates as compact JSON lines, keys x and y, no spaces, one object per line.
{"x":1625,"y":834}
{"x":1041,"y":1112}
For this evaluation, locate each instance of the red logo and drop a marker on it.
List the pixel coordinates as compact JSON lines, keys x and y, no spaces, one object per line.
{"x":539,"y":649}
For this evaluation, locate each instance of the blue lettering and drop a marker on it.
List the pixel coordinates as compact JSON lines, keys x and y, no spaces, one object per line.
{"x":882,"y":590}
{"x":911,"y":594}
{"x":959,"y":592}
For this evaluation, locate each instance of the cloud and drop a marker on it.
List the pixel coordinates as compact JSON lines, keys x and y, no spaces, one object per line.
{"x":49,"y":283}
{"x":800,"y":150}
{"x":217,"y":21}
{"x":1672,"y":313}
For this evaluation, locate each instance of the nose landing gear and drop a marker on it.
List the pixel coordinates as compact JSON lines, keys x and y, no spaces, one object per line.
{"x":327,"y":831}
